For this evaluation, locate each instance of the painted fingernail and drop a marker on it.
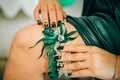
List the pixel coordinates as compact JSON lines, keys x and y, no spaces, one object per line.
{"x":60,"y":65}
{"x":39,"y":22}
{"x":57,"y":57}
{"x":46,"y":25}
{"x":60,"y":47}
{"x":69,"y":74}
{"x":58,"y":69}
{"x":59,"y":23}
{"x":53,"y":25}
{"x":49,"y":73}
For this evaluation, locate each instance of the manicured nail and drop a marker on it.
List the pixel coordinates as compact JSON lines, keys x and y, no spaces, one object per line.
{"x":46,"y":25}
{"x":58,"y":69}
{"x":59,"y":23}
{"x":60,"y":47}
{"x":69,"y":74}
{"x":53,"y":25}
{"x":49,"y":73}
{"x":60,"y":65}
{"x":39,"y":22}
{"x":57,"y":57}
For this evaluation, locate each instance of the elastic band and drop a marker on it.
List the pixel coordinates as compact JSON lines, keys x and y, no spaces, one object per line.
{"x":115,"y":67}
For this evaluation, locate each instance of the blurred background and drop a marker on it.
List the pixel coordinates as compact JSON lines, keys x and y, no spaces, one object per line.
{"x":16,"y":14}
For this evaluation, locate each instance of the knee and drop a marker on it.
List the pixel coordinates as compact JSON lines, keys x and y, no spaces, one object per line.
{"x":27,"y":59}
{"x":28,"y":36}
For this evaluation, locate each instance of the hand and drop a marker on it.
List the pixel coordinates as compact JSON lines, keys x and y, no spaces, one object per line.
{"x":51,"y":7}
{"x":88,"y":61}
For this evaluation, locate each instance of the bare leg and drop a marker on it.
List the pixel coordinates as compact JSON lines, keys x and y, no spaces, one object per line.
{"x":23,"y":63}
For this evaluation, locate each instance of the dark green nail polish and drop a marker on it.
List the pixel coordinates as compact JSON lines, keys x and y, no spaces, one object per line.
{"x":69,"y":74}
{"x":53,"y":25}
{"x":46,"y":25}
{"x":60,"y":65}
{"x":60,"y":47}
{"x":49,"y":73}
{"x":59,"y":23}
{"x":57,"y":57}
{"x":39,"y":22}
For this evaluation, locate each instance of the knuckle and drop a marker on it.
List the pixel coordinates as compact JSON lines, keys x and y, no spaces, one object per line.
{"x":78,"y":63}
{"x":57,"y":3}
{"x":60,"y":18}
{"x":36,"y":10}
{"x":45,"y":17}
{"x":52,"y":16}
{"x":74,"y":58}
{"x":52,"y":19}
{"x":52,"y":9}
{"x":43,"y":9}
{"x":59,"y":14}
{"x":87,"y":56}
{"x":36,"y":15}
{"x":59,"y":7}
{"x":44,"y":20}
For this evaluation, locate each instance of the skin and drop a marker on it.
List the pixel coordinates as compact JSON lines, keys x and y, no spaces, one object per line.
{"x":51,"y":7}
{"x":23,"y":63}
{"x":89,"y":61}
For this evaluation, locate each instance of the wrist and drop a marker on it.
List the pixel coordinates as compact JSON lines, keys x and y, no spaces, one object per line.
{"x":117,"y":72}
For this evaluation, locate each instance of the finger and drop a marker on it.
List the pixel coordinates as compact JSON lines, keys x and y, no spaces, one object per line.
{"x":76,"y":48}
{"x":64,"y":15}
{"x":59,"y":12}
{"x":72,"y":57}
{"x":36,"y":13}
{"x":76,"y":66}
{"x":82,"y":73}
{"x":52,"y":15}
{"x":44,"y":14}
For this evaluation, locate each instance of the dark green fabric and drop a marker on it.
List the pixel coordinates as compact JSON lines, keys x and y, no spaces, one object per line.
{"x":99,"y":24}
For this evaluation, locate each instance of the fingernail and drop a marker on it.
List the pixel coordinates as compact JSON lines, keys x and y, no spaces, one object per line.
{"x":59,"y":23}
{"x":60,"y":65}
{"x":57,"y":57}
{"x":49,"y":73}
{"x":53,"y":25}
{"x":69,"y":74}
{"x":39,"y":22}
{"x":60,"y":47}
{"x":46,"y":25}
{"x":58,"y":69}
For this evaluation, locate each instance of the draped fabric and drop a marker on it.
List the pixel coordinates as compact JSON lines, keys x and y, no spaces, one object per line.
{"x":99,"y":24}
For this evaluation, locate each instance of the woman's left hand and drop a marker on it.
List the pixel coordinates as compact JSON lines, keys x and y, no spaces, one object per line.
{"x":88,"y":61}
